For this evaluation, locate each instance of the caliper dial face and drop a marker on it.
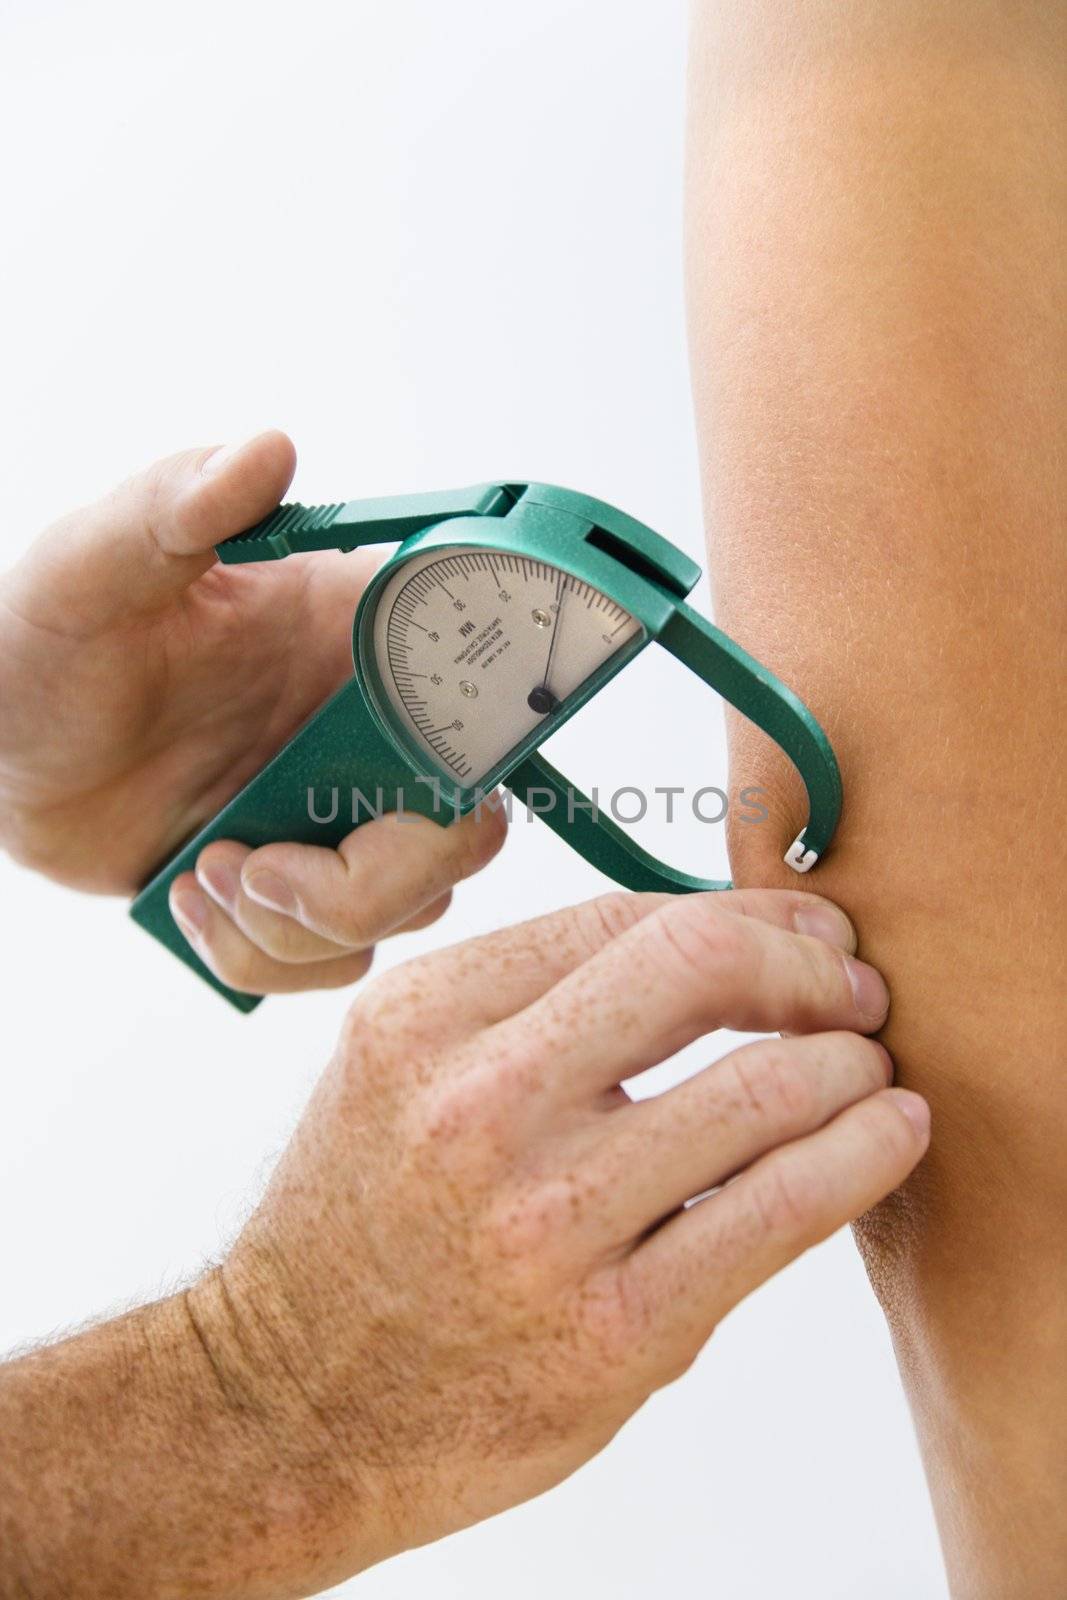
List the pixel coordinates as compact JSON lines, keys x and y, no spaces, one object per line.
{"x":477,"y":649}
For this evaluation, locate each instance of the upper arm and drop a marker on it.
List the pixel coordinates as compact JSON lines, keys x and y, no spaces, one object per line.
{"x":876,"y":244}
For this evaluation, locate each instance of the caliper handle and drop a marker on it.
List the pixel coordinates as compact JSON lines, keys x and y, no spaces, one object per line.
{"x":341,"y":747}
{"x":349,"y":524}
{"x":339,"y":768}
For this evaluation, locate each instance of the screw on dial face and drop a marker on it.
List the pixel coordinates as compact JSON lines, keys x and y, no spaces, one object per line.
{"x":476,"y":648}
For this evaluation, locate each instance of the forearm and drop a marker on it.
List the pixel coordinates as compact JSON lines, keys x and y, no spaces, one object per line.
{"x":144,"y":1458}
{"x":876,"y":274}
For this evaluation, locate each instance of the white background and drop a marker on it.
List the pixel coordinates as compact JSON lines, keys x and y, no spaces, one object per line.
{"x":439,"y":243}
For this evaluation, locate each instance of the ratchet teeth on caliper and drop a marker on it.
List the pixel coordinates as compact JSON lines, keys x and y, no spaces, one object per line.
{"x":290,"y":530}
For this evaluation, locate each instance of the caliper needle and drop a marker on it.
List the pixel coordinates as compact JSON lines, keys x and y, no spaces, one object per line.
{"x":541,"y":699}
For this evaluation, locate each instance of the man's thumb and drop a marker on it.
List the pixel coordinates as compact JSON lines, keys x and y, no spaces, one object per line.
{"x":151,"y":537}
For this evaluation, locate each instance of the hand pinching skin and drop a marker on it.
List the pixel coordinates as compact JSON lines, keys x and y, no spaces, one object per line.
{"x":474,"y":1261}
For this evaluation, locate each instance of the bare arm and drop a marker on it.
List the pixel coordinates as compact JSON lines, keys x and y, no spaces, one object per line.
{"x":473,"y":1263}
{"x":876,"y":270}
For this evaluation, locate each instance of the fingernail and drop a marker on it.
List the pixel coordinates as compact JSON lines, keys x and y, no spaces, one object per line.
{"x":267,"y":889}
{"x":887,"y":1060}
{"x":221,"y":458}
{"x":189,"y":909}
{"x":868,"y":989}
{"x":826,"y":923}
{"x":220,"y":880}
{"x":914,"y":1107}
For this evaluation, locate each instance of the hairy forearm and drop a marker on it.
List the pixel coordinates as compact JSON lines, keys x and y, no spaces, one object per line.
{"x":876,"y":249}
{"x":147,"y":1456}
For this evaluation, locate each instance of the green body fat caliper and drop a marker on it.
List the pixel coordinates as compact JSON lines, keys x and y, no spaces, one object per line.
{"x":504,"y":609}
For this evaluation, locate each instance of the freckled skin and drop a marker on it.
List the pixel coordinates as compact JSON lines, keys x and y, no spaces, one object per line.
{"x":471,"y":1265}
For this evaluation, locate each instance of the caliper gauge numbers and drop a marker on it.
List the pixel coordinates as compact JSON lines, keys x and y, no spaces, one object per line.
{"x":476,"y":650}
